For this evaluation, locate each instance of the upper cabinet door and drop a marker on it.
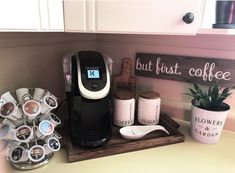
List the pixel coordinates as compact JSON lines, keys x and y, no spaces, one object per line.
{"x":148,"y":16}
{"x":19,"y":15}
{"x":79,"y":15}
{"x":75,"y":15}
{"x":31,"y":15}
{"x":56,"y":15}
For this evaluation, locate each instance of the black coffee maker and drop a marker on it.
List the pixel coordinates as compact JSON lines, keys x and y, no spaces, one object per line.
{"x":87,"y":81}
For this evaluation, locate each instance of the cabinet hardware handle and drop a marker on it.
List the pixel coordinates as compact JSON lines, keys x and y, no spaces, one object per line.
{"x":188,"y":18}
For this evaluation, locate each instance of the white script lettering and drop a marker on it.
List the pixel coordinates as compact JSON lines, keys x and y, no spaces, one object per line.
{"x":162,"y":68}
{"x":208,"y":73}
{"x":143,"y":66}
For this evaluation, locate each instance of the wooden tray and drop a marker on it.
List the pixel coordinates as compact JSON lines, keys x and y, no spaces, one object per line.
{"x":119,"y":145}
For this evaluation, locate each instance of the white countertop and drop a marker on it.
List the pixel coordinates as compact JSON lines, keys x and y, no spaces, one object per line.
{"x":190,"y":156}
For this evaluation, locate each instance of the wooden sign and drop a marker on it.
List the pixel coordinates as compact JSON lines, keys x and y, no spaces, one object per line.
{"x":187,"y":69}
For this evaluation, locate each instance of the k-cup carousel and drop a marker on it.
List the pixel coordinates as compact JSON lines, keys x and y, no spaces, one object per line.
{"x":27,"y":131}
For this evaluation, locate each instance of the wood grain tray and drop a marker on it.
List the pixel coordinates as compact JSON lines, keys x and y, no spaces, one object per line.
{"x":119,"y":145}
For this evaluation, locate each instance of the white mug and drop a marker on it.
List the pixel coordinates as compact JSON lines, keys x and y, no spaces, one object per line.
{"x":7,"y":97}
{"x":38,"y":94}
{"x":45,"y":128}
{"x":31,"y":109}
{"x":124,"y":111}
{"x":23,"y":95}
{"x":11,"y":111}
{"x":18,"y":154}
{"x":52,"y":118}
{"x":36,"y":153}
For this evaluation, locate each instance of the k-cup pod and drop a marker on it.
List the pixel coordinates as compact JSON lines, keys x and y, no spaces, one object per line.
{"x":52,"y":144}
{"x":52,"y":118}
{"x":3,"y":147}
{"x":38,"y":94}
{"x":6,"y":132}
{"x":149,"y":108}
{"x":6,"y":147}
{"x":18,"y":154}
{"x":124,"y":111}
{"x":1,"y":102}
{"x":23,"y":134}
{"x":48,"y":93}
{"x":31,"y":109}
{"x":7,"y":97}
{"x":56,"y":135}
{"x":45,"y":116}
{"x":13,"y":124}
{"x":45,"y":128}
{"x":11,"y":111}
{"x":36,"y":153}
{"x":48,"y":103}
{"x":9,"y":122}
{"x":23,"y":95}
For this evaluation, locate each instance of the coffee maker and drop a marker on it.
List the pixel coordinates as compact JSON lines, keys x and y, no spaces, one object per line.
{"x":87,"y":83}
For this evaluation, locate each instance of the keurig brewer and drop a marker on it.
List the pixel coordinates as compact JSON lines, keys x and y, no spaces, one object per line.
{"x":87,"y":81}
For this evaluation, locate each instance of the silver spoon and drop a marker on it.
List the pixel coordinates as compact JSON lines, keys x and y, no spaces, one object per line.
{"x":136,"y":132}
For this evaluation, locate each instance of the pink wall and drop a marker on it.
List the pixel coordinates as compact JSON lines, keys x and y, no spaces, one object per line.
{"x":174,"y":102}
{"x":35,"y":59}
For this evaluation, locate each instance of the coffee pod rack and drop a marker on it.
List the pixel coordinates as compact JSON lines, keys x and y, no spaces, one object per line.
{"x":28,"y":127}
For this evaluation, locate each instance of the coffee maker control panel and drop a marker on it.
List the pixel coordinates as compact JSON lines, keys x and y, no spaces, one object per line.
{"x":93,"y":75}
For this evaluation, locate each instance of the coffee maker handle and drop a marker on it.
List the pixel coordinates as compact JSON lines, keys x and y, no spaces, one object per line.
{"x":109,"y":63}
{"x":67,"y":68}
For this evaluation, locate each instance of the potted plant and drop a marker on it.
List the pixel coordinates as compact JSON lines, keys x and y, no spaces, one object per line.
{"x":209,"y":112}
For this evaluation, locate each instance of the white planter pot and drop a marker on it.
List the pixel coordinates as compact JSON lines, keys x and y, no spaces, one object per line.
{"x":206,"y":125}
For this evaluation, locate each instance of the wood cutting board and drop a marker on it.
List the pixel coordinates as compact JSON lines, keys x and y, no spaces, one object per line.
{"x":125,"y":85}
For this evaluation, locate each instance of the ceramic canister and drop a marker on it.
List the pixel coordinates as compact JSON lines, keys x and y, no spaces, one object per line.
{"x":124,"y":111}
{"x":149,"y":108}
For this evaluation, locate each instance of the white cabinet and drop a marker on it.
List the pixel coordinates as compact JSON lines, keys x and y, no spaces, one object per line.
{"x":132,"y":16}
{"x":31,"y":15}
{"x":79,"y":15}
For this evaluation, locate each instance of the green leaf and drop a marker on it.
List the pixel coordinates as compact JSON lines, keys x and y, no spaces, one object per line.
{"x":215,"y":93}
{"x":226,"y":90}
{"x":223,"y":97}
{"x":196,"y":87}
{"x":204,"y":103}
{"x":210,"y":91}
{"x":194,"y":93}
